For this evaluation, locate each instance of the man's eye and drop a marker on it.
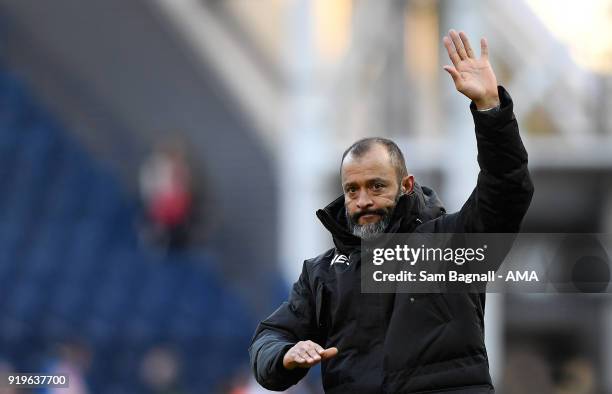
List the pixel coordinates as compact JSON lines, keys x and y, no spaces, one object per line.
{"x":350,"y":190}
{"x":378,"y":186}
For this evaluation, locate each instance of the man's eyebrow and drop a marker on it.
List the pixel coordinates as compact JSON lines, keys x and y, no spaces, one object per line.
{"x":378,"y":179}
{"x":369,"y":181}
{"x":347,"y":184}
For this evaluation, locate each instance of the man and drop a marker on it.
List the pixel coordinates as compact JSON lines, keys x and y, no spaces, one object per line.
{"x":400,"y":343}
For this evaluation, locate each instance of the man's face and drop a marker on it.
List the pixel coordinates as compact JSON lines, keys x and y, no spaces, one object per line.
{"x":371,"y":191}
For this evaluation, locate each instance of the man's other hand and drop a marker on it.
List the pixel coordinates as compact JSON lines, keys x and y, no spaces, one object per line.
{"x":473,"y":76}
{"x":306,"y":354}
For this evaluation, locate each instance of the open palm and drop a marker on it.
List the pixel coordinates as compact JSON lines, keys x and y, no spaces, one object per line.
{"x":472,"y":76}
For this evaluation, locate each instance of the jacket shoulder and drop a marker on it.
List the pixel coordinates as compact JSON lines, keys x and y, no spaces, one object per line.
{"x":322,"y":260}
{"x":317,"y":267}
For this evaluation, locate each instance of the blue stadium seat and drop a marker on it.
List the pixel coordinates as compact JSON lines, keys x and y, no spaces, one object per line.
{"x":71,"y":265}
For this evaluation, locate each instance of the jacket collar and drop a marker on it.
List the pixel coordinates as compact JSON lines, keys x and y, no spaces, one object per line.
{"x":421,"y":205}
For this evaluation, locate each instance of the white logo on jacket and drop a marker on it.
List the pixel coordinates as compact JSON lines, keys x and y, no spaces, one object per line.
{"x":340,"y":259}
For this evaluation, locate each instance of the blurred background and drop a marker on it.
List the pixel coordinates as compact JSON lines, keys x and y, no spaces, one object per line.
{"x":161,"y":162}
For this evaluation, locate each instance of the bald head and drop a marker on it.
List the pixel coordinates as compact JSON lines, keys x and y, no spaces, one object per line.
{"x":383,"y":146}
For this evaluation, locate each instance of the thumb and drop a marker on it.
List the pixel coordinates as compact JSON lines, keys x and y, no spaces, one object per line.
{"x":453,"y":73}
{"x":329,"y":353}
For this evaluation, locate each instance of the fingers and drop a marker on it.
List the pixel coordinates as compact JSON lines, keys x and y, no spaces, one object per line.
{"x":484,"y":48}
{"x":458,"y":44}
{"x":312,"y":354}
{"x":308,"y":352}
{"x":466,"y":44}
{"x":303,"y":354}
{"x":459,"y":48}
{"x":452,"y":53}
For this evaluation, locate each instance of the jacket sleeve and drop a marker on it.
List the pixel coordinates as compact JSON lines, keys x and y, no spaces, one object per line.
{"x":504,"y":189}
{"x":292,"y":322}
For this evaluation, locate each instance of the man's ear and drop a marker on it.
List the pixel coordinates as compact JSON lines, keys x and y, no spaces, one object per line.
{"x":407,"y":184}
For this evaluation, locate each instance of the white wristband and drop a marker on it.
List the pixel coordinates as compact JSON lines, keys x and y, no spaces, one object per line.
{"x":492,"y":109}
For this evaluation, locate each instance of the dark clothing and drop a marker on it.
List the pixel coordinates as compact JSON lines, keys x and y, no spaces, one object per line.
{"x":401,"y":343}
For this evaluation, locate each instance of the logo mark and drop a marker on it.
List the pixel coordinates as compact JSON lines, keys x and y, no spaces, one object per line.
{"x":340,"y":259}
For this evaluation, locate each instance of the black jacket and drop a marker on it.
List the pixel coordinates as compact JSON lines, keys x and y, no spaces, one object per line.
{"x":401,"y":343}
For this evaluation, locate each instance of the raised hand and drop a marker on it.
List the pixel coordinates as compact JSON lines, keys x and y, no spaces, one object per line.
{"x":306,"y":354}
{"x":472,"y":76}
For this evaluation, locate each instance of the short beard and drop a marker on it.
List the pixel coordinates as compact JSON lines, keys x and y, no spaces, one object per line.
{"x":371,"y":231}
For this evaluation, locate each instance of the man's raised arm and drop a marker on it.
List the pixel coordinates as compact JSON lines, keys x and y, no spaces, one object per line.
{"x":504,"y":188}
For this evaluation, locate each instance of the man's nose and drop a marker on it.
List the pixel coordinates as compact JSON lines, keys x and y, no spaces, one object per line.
{"x":364,"y":201}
